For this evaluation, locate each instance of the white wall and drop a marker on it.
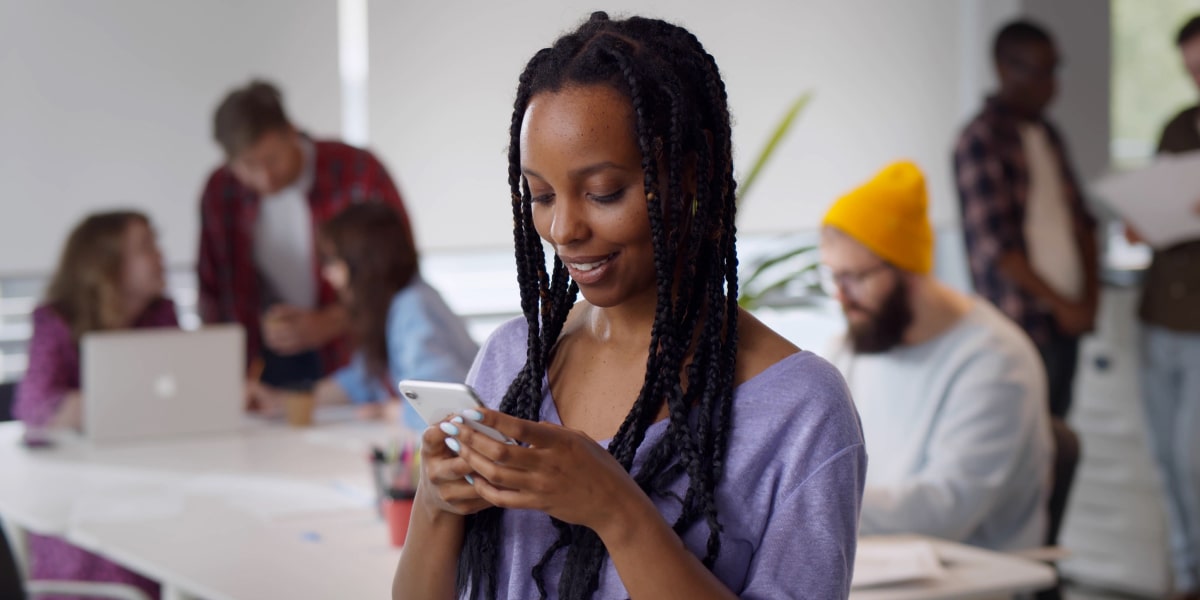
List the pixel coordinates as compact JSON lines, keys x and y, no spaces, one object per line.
{"x":1083,"y":32}
{"x":979,"y":21}
{"x":106,"y":104}
{"x":886,"y":76}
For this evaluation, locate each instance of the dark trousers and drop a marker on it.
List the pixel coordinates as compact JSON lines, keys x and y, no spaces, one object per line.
{"x":10,"y":581}
{"x":296,"y":372}
{"x":1061,"y":356}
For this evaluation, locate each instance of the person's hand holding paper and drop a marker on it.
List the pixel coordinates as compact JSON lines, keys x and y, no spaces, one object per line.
{"x":1161,"y":201}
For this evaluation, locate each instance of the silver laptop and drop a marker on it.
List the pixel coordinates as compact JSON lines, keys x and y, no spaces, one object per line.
{"x":163,"y":383}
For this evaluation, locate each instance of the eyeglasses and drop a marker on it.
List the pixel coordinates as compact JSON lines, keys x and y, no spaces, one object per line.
{"x":849,"y":282}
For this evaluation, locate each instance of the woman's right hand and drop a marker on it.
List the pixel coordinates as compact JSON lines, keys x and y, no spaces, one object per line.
{"x":265,"y":400}
{"x":444,"y":498}
{"x":328,"y":392}
{"x":70,"y":412}
{"x":445,"y":476}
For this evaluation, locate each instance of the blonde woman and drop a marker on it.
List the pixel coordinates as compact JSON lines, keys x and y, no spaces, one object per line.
{"x":110,"y":276}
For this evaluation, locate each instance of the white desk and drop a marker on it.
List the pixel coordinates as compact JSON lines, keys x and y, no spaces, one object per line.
{"x":969,"y":573}
{"x":270,"y":512}
{"x":273,"y":512}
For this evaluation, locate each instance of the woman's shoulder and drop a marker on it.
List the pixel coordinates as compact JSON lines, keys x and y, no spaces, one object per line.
{"x":801,"y":383}
{"x":414,"y":294}
{"x":759,"y":348}
{"x":47,"y":313}
{"x":417,"y":301}
{"x":51,"y":333}
{"x":798,"y":406}
{"x":499,"y":360}
{"x":791,"y":423}
{"x":49,"y":320}
{"x":515,"y":328}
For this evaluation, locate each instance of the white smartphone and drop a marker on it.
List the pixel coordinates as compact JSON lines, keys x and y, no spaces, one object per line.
{"x":436,"y":400}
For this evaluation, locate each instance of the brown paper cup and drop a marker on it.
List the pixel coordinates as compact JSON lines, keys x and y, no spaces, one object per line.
{"x":299,"y":408}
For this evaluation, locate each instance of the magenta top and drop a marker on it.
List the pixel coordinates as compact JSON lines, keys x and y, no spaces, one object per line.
{"x":54,"y":360}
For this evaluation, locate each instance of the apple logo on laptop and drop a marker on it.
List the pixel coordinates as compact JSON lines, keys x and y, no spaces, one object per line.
{"x":164,"y":386}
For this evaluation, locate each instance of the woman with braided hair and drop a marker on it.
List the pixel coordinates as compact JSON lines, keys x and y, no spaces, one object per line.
{"x":672,"y":446}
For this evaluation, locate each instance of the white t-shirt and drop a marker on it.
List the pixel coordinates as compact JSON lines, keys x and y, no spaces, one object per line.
{"x":1049,"y":227}
{"x":283,"y":238}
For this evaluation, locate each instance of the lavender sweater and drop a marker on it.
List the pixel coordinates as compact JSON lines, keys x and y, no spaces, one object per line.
{"x":789,"y":499}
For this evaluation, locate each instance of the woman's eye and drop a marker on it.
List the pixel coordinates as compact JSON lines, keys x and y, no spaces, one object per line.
{"x":604,"y":199}
{"x":541,"y":198}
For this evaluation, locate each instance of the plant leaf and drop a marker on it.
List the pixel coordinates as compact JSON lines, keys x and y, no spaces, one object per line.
{"x":774,"y":260}
{"x":781,"y":130}
{"x":750,"y":300}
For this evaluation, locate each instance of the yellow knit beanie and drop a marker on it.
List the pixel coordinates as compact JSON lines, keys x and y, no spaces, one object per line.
{"x":888,"y":215}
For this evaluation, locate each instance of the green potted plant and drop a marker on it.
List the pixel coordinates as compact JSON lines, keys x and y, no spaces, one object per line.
{"x":771,"y":274}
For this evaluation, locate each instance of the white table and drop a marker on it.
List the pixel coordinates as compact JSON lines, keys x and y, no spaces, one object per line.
{"x":272,"y":512}
{"x":969,"y":573}
{"x":269,"y":512}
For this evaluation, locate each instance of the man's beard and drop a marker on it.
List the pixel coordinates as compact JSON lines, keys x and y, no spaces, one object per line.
{"x":885,"y":327}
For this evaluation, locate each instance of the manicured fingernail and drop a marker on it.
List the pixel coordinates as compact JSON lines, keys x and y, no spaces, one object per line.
{"x":470,"y":480}
{"x":473,"y":414}
{"x":458,"y":420}
{"x":453,"y":445}
{"x":449,"y":429}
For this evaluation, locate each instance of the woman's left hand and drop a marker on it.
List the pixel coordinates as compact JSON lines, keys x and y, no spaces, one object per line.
{"x":559,"y":471}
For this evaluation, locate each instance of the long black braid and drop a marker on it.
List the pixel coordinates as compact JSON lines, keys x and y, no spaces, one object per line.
{"x":682,"y":125}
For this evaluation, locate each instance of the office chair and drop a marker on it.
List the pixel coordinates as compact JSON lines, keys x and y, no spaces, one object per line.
{"x":1066,"y":460}
{"x":8,"y":392}
{"x":15,"y":585}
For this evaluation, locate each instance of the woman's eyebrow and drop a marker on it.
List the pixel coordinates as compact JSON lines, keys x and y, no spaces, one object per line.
{"x":581,"y":171}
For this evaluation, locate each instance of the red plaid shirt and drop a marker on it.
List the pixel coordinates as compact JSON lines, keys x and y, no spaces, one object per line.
{"x":993,"y":188}
{"x":229,"y":279}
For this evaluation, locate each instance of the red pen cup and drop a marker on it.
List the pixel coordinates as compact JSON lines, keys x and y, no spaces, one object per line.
{"x":397,"y":509}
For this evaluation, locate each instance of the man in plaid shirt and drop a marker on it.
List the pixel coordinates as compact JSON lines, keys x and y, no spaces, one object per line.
{"x":1029,"y":237}
{"x":258,"y":262}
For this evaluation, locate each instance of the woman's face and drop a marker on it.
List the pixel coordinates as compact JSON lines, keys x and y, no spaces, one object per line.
{"x":335,"y":271}
{"x":143,"y":276}
{"x":584,"y":169}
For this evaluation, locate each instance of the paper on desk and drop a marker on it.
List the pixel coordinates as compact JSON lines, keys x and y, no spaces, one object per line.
{"x":274,"y":498}
{"x":124,"y":507}
{"x":112,"y":494}
{"x":883,"y":561}
{"x":1159,"y":200}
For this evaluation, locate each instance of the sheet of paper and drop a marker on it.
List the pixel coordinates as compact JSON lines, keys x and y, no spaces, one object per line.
{"x":122,"y":507}
{"x":273,"y":498}
{"x":116,"y":494}
{"x":885,"y":561}
{"x":1161,"y":200}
